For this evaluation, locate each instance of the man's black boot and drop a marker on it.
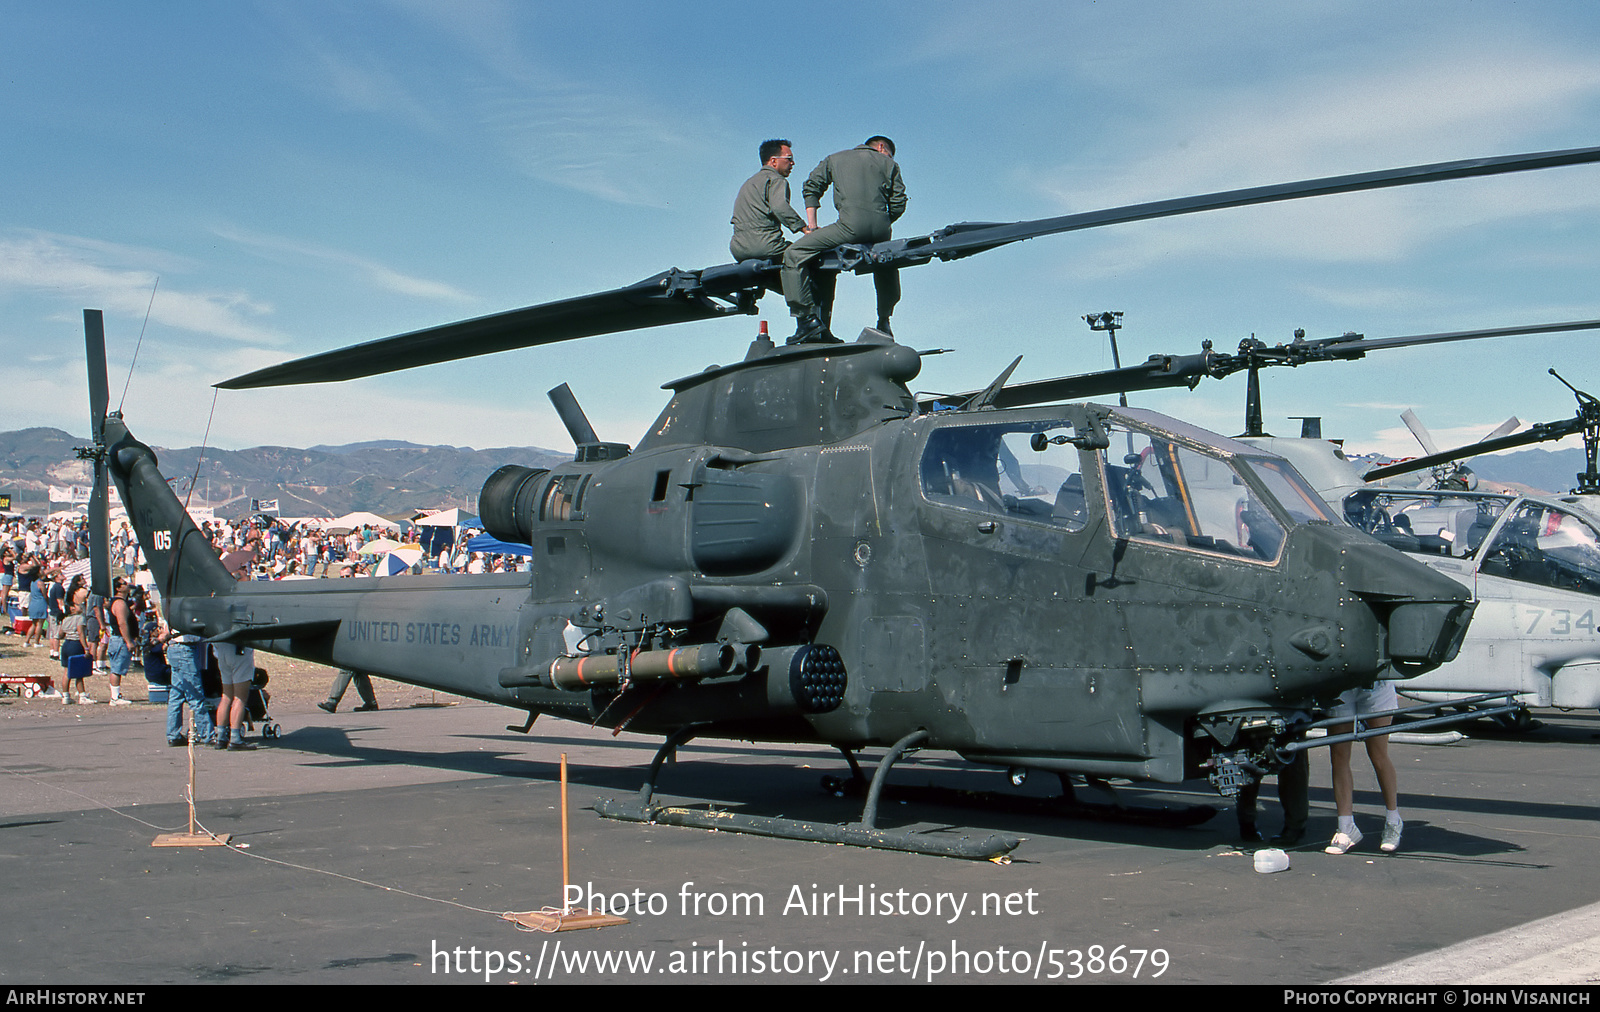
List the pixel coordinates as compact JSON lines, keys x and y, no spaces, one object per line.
{"x":808,"y":331}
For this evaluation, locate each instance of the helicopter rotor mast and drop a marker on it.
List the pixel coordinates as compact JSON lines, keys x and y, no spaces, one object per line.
{"x":679,"y":296}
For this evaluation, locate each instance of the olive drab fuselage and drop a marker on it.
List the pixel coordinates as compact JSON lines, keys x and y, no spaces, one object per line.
{"x":795,"y":552}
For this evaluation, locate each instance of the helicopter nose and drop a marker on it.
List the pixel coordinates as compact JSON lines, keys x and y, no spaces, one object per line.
{"x":1426,"y":613}
{"x":1427,"y":633}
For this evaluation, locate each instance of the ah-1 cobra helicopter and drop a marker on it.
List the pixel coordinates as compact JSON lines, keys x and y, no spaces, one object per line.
{"x":796,"y":551}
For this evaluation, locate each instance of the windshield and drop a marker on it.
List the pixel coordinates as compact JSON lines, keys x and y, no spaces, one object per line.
{"x":1162,"y":489}
{"x":1292,"y":491}
{"x":1423,"y":522}
{"x":1546,"y":546}
{"x":1173,"y":484}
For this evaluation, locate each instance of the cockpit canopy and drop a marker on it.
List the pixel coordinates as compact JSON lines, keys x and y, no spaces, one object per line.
{"x":1160,"y":480}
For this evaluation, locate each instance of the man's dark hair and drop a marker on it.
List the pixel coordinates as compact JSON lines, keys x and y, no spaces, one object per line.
{"x":886,"y":142}
{"x":772,"y":148}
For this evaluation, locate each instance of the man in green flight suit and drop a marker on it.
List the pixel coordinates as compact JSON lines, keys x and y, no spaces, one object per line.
{"x":761,"y":211}
{"x":870,"y":196}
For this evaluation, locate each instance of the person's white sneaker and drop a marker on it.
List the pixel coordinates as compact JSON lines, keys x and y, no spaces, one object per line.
{"x":1391,"y":837}
{"x":1343,"y":843}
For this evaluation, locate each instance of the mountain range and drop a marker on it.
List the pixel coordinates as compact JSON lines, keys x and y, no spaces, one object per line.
{"x":1553,"y":470}
{"x":384,"y":476}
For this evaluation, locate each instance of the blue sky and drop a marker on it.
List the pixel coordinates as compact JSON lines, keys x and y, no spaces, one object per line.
{"x":302,"y":176}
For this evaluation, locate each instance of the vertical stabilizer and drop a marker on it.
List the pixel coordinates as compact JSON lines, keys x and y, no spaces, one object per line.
{"x":181,"y":559}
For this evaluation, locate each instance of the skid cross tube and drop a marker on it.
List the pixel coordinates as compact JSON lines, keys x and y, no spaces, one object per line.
{"x":1377,"y":732}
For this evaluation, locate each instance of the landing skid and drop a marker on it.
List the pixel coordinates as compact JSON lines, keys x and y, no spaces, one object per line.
{"x":865,"y":832}
{"x":1064,"y":806}
{"x":860,"y":834}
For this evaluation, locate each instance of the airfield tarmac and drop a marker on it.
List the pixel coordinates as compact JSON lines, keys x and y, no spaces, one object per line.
{"x":382,"y":847}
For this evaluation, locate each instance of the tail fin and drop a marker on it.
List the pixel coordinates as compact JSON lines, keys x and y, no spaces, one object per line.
{"x":182,"y":561}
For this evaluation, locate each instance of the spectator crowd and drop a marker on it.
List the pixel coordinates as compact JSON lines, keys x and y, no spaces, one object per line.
{"x":45,"y":594}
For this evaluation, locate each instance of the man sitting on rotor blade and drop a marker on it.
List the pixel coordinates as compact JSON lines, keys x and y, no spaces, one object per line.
{"x":870,"y":197}
{"x":761,"y":211}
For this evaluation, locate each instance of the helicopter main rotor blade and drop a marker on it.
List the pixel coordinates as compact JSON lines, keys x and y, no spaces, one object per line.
{"x":678,"y":296}
{"x":1157,"y":373}
{"x":1352,"y":345}
{"x":1163,"y":371}
{"x":1541,"y":433}
{"x":1505,"y":428}
{"x":966,"y":239}
{"x":670,"y":297}
{"x":1420,"y":431}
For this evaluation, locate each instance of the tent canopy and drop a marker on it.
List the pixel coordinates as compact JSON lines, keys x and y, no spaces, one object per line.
{"x":453,"y":517}
{"x":351,"y":521}
{"x":489,"y":545}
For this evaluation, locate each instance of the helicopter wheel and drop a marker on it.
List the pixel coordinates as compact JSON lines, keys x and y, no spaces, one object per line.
{"x":1517,"y":720}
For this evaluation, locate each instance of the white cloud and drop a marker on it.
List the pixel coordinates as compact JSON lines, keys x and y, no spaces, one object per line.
{"x":487,"y":31}
{"x":120,"y":279}
{"x":1377,"y":298}
{"x":586,"y":136}
{"x":380,"y":275}
{"x":363,"y":85}
{"x":169,"y":403}
{"x":593,"y":141}
{"x":583,"y":136}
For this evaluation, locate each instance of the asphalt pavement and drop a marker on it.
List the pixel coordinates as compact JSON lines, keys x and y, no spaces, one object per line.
{"x":385,"y":847}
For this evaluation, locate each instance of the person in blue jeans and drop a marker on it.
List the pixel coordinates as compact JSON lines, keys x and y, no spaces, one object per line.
{"x":183,"y":655}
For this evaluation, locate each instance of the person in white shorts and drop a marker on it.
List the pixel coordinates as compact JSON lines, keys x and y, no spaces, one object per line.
{"x":1353,"y":703}
{"x":238,"y":666}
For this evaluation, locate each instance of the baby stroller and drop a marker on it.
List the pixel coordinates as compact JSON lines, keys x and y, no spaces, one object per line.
{"x":255,"y":707}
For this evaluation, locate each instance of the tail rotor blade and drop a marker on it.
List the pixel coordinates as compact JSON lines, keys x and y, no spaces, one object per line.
{"x":94,"y":339}
{"x":99,"y":534}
